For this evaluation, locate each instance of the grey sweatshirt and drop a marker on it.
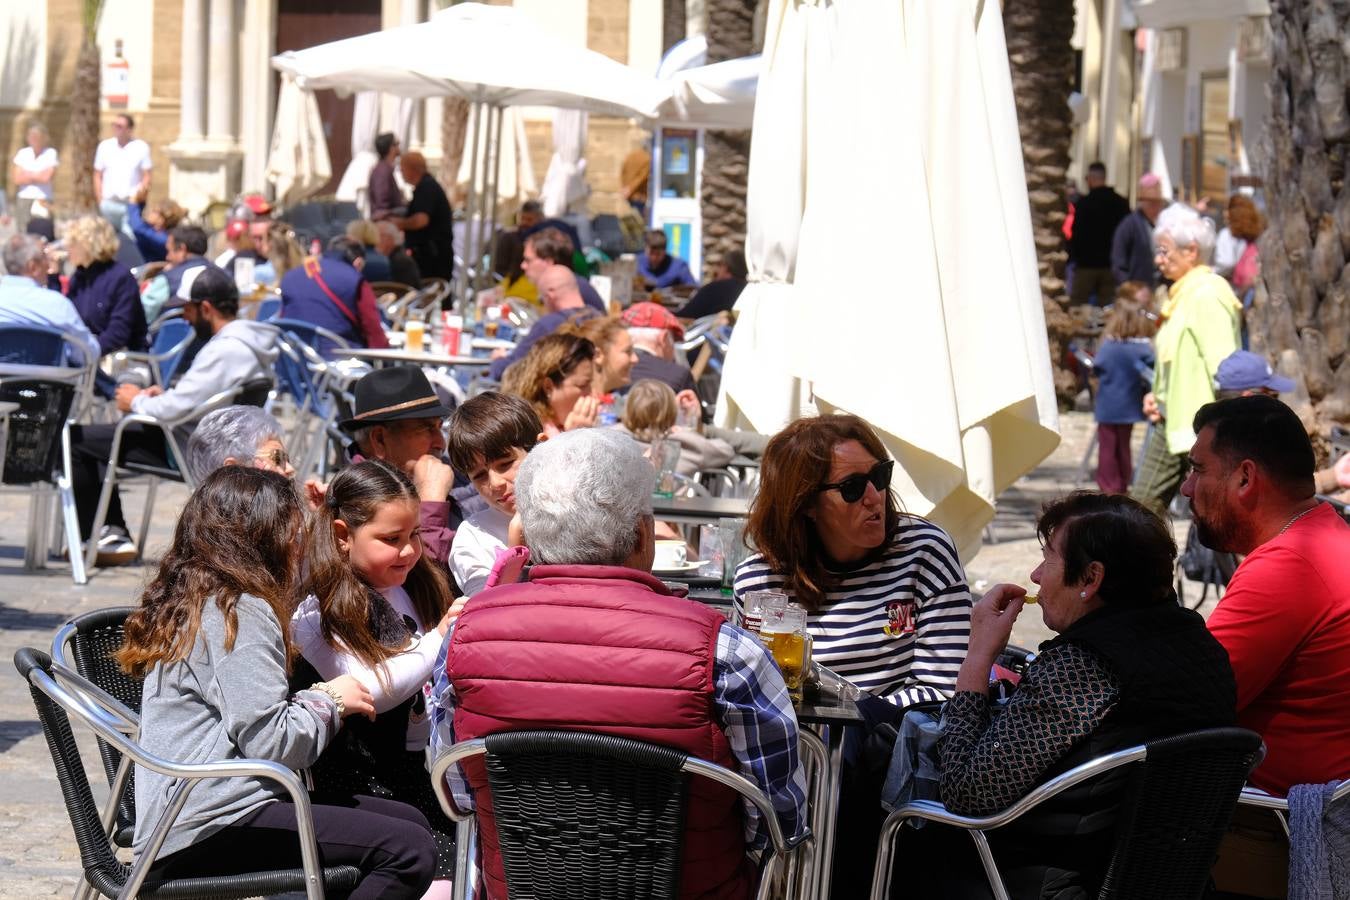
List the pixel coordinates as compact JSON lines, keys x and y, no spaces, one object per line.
{"x":241,"y":351}
{"x":218,"y":705}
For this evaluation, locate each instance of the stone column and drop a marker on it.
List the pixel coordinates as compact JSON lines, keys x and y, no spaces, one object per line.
{"x":192,"y":113}
{"x":223,"y":51}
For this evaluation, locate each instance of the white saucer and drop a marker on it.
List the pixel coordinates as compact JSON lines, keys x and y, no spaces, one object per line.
{"x":689,"y":566}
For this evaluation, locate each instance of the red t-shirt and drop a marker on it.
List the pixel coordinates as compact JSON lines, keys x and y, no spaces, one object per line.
{"x":1285,"y":622}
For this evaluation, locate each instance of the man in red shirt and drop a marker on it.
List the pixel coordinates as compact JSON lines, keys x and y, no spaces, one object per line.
{"x":1285,"y":619}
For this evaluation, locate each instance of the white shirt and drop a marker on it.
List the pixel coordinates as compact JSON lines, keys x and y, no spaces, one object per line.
{"x":474,"y":549}
{"x":122,"y":167}
{"x":28,"y":161}
{"x":1227,"y":251}
{"x":397,"y":679}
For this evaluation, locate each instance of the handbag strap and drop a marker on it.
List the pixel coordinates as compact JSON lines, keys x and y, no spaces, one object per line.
{"x":312,"y":270}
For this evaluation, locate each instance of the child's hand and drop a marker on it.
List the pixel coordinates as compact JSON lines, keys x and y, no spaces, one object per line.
{"x":451,"y":614}
{"x":314,"y":493}
{"x":356,"y":699}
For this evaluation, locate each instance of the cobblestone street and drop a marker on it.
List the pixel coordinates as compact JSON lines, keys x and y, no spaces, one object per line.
{"x":39,"y":858}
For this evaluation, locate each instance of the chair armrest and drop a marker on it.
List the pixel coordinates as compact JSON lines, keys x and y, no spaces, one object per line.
{"x":936,"y":812}
{"x":71,"y":691}
{"x":460,"y":751}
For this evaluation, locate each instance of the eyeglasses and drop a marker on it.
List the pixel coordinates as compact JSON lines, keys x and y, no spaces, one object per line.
{"x":276,"y":457}
{"x":853,"y":487}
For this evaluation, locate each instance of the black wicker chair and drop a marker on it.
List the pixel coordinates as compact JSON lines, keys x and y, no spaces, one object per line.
{"x":86,"y":644}
{"x":593,"y":815}
{"x":1179,"y":797}
{"x":60,"y":694}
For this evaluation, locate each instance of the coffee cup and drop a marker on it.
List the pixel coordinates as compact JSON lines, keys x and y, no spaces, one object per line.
{"x":670,"y":555}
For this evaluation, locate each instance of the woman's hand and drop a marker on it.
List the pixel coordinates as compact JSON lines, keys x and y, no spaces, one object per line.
{"x":451,"y":614}
{"x":991,"y":622}
{"x":1151,"y":411}
{"x":583,"y":415}
{"x":356,"y":699}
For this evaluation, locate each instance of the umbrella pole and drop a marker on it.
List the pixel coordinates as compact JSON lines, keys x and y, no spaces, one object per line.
{"x":471,"y":205}
{"x":496,"y":172}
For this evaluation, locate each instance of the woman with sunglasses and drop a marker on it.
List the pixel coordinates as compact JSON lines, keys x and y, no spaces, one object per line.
{"x":886,"y":599}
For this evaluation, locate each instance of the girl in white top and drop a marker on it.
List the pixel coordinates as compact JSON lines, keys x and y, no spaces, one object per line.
{"x":377,"y":610}
{"x":489,"y":437}
{"x":34,"y":167}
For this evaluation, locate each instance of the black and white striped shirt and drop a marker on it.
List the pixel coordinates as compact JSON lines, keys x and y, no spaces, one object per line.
{"x":898,"y":625}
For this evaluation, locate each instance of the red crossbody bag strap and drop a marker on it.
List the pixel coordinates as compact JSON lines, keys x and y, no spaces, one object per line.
{"x":312,"y":270}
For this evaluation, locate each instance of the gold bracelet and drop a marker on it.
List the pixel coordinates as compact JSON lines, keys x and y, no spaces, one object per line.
{"x":332,"y":692}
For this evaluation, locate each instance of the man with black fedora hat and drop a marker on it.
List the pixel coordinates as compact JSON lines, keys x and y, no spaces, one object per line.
{"x":397,"y":417}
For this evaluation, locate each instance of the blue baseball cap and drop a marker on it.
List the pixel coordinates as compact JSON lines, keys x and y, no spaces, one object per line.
{"x":1243,"y":370}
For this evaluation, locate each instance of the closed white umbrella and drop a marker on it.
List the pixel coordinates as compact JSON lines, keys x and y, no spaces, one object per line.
{"x":565,"y":182}
{"x":298,"y":163}
{"x":893,"y":273}
{"x":516,"y":180}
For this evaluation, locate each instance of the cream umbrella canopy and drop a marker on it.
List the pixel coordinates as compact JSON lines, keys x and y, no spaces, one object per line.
{"x":298,"y":163}
{"x":891,"y":260}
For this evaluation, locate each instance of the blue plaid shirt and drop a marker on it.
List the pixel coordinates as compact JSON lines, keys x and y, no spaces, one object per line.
{"x":753,"y":709}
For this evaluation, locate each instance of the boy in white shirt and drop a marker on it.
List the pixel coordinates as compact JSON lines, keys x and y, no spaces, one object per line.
{"x":488,"y":438}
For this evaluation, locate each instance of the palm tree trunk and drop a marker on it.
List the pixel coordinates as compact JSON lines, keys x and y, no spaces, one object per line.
{"x":1299,"y":315}
{"x":674,"y":23}
{"x":454,"y":127}
{"x":1038,"y":34}
{"x":726,"y":154}
{"x":84,"y":122}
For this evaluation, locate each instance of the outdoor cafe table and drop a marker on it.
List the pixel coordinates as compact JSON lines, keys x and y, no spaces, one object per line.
{"x":699,"y":510}
{"x":381,"y":357}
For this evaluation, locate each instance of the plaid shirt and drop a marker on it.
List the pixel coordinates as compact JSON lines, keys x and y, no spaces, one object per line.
{"x":753,"y":709}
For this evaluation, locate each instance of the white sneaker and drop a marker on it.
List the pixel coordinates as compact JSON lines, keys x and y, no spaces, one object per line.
{"x":115,"y":547}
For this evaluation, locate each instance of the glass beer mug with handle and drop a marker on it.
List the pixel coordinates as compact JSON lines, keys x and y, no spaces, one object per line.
{"x":784,"y":634}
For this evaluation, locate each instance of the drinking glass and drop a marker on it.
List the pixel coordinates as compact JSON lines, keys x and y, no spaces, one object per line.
{"x":784,"y":634}
{"x":759,"y":606}
{"x":665,"y":456}
{"x":732,"y":538}
{"x":413,"y":332}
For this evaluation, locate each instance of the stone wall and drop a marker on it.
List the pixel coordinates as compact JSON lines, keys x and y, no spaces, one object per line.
{"x":157,"y":125}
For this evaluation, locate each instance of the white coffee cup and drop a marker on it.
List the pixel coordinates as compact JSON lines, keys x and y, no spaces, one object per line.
{"x":670,"y":555}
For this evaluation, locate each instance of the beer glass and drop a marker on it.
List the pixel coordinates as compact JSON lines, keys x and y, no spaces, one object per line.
{"x":760,"y":605}
{"x":413,"y":331}
{"x":784,"y":634}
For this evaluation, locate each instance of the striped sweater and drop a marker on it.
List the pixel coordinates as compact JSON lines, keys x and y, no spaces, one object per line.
{"x":898,"y":625}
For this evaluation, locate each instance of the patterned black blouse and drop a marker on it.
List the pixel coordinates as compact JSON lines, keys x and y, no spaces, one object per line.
{"x":991,"y":758}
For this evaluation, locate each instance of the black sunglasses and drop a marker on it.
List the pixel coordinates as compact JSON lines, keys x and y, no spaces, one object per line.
{"x":853,"y":487}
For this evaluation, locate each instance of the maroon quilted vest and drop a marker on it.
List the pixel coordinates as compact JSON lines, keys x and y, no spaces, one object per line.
{"x":605,"y":649}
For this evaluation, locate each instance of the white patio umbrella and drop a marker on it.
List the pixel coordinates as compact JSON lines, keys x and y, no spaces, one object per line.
{"x":298,"y":163}
{"x":565,"y":182}
{"x":892,"y":268}
{"x":721,"y":95}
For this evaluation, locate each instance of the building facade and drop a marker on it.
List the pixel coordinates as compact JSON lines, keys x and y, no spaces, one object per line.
{"x":196,"y":77}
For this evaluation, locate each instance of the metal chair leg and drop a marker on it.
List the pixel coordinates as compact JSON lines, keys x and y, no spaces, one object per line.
{"x":150,"y":489}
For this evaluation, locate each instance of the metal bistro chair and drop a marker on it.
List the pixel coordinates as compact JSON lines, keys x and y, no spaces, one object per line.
{"x":1180,"y":793}
{"x":252,"y":393}
{"x":592,"y":815}
{"x":170,"y":337}
{"x":1256,"y":798}
{"x":59,"y":695}
{"x":322,"y":341}
{"x":86,"y":643}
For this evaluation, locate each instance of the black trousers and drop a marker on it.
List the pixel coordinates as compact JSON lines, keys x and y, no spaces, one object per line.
{"x":389,"y":842}
{"x":90,"y":447}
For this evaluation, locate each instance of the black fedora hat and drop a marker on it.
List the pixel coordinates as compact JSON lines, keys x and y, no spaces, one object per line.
{"x":388,"y":395}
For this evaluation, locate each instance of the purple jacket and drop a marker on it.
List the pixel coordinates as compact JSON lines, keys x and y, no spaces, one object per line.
{"x":109,"y":301}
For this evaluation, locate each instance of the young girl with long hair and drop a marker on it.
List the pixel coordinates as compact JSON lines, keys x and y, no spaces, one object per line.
{"x":377,"y":610}
{"x":208,"y":639}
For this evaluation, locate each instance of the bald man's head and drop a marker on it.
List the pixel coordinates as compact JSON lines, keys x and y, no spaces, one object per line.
{"x":413,"y":165}
{"x":558,"y":286}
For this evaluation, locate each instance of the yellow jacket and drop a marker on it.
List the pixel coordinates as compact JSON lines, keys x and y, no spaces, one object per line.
{"x":1200,"y":327}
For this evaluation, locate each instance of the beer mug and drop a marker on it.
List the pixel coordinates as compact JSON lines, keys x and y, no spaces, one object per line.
{"x":784,"y":634}
{"x":413,"y":332}
{"x":759,"y":605}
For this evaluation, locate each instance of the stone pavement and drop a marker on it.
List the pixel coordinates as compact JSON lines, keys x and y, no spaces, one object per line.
{"x":39,"y":859}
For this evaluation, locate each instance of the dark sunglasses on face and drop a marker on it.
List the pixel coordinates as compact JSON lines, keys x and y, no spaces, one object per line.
{"x":853,"y":487}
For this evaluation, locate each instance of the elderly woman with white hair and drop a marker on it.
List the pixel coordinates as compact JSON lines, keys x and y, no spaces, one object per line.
{"x":1200,"y":324}
{"x":591,"y":641}
{"x":237,"y":436}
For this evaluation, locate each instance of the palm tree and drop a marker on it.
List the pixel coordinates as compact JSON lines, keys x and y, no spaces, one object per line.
{"x":726,"y":154}
{"x":84,"y":106}
{"x":1300,"y":310}
{"x":1038,"y":34}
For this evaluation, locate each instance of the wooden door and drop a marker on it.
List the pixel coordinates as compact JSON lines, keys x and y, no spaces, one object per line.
{"x":308,"y":23}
